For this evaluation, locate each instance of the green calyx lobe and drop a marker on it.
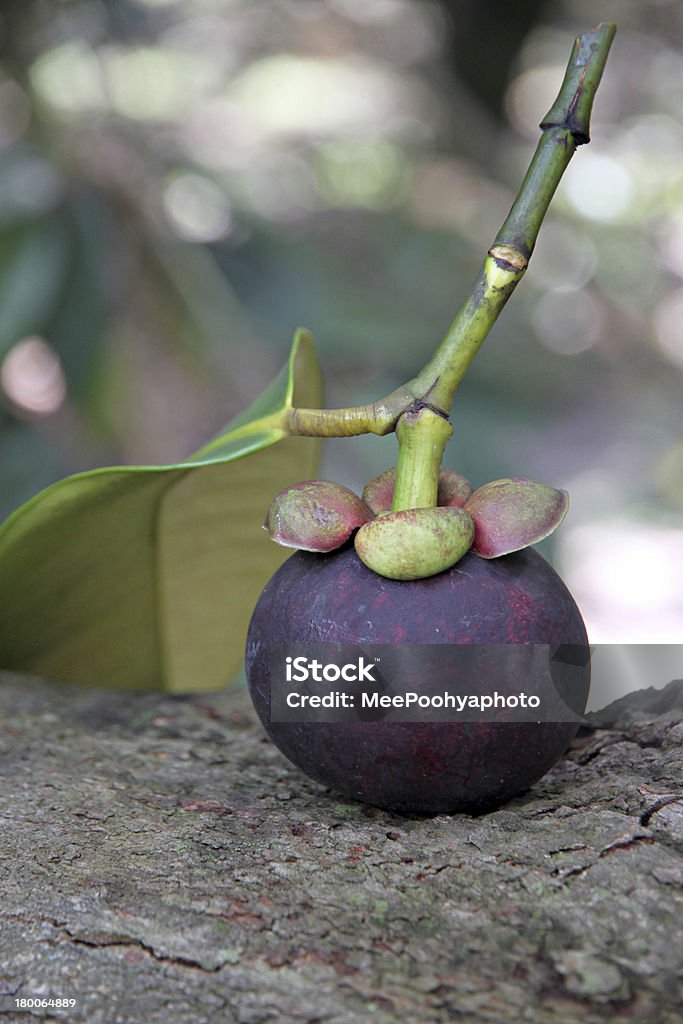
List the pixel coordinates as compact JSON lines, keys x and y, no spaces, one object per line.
{"x":315,"y":515}
{"x":415,"y":543}
{"x":513,"y":513}
{"x":496,"y":519}
{"x":452,"y":489}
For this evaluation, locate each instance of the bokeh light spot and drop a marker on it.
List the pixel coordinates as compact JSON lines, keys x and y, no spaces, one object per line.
{"x":32,"y":377}
{"x":197,"y":209}
{"x":365,"y":174}
{"x":599,"y":187}
{"x":563,"y":257}
{"x":530,"y":95}
{"x":151,"y":83}
{"x":567,"y":321}
{"x":626,"y":578}
{"x":369,"y":11}
{"x":69,"y":77}
{"x":289,"y":95}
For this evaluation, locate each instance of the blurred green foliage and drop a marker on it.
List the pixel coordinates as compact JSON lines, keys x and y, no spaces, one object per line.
{"x":185,"y":181}
{"x":130,"y":570}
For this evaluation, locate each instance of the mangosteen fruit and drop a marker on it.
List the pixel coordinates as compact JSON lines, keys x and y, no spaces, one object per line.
{"x":440,"y":590}
{"x":489,"y":608}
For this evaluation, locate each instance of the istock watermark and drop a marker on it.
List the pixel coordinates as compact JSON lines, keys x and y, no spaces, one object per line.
{"x":300,"y":670}
{"x":428,"y":682}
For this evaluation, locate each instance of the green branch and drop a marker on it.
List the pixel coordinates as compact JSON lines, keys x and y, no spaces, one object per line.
{"x":565,"y":126}
{"x":378,"y":417}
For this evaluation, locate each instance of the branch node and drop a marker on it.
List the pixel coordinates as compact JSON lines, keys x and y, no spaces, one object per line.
{"x":507,"y":257}
{"x":572,"y":109}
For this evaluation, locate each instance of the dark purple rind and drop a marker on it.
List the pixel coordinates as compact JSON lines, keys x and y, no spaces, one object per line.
{"x":422,"y":768}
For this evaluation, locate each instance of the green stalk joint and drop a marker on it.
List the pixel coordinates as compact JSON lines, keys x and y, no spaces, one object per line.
{"x":422,"y":434}
{"x":574,"y":104}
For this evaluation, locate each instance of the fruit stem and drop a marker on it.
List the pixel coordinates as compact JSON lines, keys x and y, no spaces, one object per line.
{"x":378,"y":417}
{"x":422,"y":435}
{"x":565,"y":126}
{"x":496,"y":281}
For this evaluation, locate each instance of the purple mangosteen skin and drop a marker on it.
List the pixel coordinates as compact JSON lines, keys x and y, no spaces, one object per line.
{"x":422,"y":767}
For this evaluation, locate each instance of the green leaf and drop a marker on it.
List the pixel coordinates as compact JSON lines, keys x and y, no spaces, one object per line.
{"x":144,"y":577}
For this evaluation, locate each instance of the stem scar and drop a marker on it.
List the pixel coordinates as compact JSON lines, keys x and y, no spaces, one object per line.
{"x":507,"y":257}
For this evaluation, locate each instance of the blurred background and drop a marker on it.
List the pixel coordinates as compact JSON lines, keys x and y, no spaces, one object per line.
{"x":183,"y":182}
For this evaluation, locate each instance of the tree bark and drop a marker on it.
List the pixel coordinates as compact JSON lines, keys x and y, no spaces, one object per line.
{"x":162,"y":862}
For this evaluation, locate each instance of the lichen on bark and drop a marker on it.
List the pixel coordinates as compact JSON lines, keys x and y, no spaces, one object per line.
{"x":163,"y":862}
